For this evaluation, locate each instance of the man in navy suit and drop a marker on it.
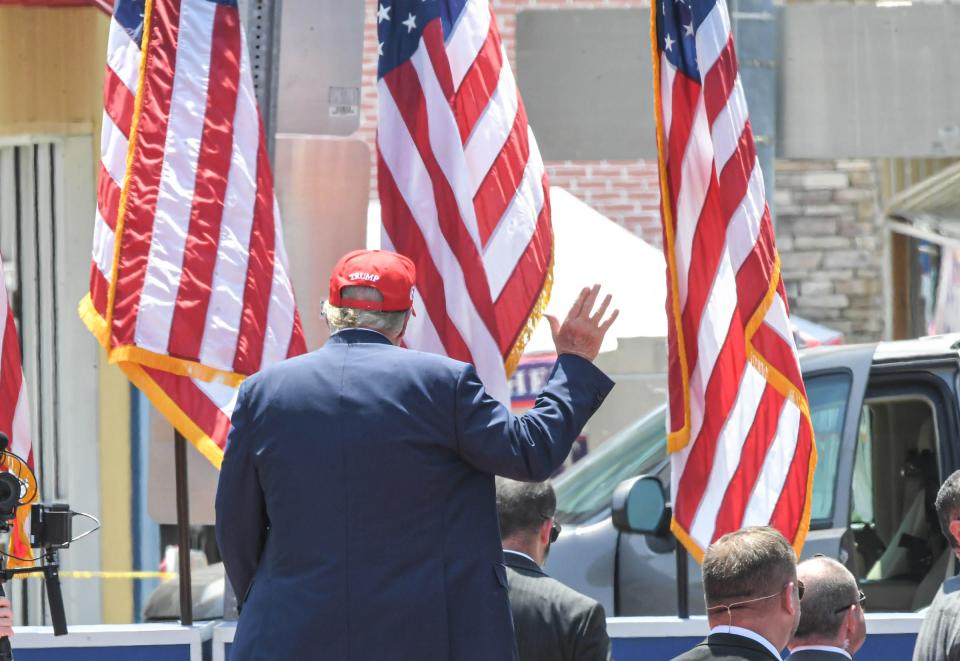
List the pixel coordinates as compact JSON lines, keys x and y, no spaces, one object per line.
{"x":356,"y":510}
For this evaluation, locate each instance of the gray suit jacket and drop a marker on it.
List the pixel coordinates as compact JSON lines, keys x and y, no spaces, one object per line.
{"x":552,"y":621}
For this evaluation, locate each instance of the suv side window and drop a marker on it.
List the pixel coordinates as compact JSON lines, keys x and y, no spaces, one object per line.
{"x":828,"y":395}
{"x":899,"y":554}
{"x":861,"y":501}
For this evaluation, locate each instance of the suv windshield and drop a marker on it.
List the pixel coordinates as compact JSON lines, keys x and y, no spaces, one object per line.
{"x":585,"y":490}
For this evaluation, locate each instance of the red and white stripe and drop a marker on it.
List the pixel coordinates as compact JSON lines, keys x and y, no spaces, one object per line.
{"x":740,"y":433}
{"x":14,"y":408}
{"x":464,"y":194}
{"x":202,"y":276}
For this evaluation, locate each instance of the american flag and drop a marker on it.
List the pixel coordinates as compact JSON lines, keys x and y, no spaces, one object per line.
{"x":14,"y":417}
{"x":740,"y":434}
{"x":462,"y":185}
{"x":189,"y":286}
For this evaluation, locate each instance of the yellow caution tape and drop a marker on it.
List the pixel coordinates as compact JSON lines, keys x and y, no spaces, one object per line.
{"x":126,"y":575}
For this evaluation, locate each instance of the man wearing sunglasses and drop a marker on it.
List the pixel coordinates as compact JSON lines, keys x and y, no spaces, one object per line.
{"x":752,"y":596}
{"x":832,"y":626}
{"x":552,"y":622}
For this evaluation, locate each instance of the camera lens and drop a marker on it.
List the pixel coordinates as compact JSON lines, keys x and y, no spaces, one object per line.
{"x":9,"y":494}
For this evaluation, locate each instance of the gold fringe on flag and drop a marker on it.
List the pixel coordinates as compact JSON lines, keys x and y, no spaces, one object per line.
{"x":539,"y":308}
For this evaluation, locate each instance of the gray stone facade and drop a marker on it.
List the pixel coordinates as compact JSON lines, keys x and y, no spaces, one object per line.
{"x":830,"y":238}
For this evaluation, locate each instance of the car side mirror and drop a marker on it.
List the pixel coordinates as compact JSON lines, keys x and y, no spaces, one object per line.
{"x":639,"y":505}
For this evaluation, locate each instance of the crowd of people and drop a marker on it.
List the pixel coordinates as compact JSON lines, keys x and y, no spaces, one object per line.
{"x":359,"y":515}
{"x":760,"y":601}
{"x":757,"y":602}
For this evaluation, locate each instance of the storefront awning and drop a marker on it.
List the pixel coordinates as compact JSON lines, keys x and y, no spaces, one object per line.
{"x":930,"y":209}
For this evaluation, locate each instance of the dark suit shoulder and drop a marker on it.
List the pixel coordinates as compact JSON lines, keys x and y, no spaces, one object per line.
{"x":549,"y":588}
{"x":552,"y":621}
{"x":424,"y":363}
{"x":435,"y":361}
{"x":727,"y":647}
{"x":817,"y":655}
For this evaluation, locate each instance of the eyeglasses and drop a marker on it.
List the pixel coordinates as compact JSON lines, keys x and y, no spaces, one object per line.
{"x":860,"y":600}
{"x":555,"y":532}
{"x":555,"y":529}
{"x":737,"y":604}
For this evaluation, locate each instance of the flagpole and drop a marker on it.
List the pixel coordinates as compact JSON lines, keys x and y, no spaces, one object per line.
{"x":183,"y":529}
{"x":683,"y":582}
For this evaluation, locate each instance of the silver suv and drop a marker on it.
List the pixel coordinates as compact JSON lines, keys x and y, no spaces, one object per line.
{"x":887,"y":429}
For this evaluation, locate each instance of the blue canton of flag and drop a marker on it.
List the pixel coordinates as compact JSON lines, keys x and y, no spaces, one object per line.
{"x":400,"y":24}
{"x":129,"y":15}
{"x":678,"y":24}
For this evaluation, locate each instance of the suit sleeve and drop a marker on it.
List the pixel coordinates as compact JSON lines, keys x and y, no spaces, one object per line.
{"x":529,"y":447}
{"x":241,"y":511}
{"x":593,"y":644}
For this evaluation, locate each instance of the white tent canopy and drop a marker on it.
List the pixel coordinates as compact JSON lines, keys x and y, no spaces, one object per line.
{"x":592,"y":249}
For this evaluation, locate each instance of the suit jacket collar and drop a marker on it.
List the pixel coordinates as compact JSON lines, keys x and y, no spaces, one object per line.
{"x":740,"y":641}
{"x":819,"y":652}
{"x":358,"y":336}
{"x":520,"y":561}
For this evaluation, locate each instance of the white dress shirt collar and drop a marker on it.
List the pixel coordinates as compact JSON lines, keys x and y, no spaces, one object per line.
{"x":368,"y":330}
{"x":822,"y":648}
{"x":521,"y":553}
{"x":746,"y":633}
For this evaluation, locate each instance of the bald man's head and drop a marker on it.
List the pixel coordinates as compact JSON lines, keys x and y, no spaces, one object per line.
{"x":831,"y":611}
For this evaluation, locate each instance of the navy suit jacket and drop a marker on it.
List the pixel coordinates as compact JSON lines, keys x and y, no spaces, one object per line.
{"x":356,"y":510}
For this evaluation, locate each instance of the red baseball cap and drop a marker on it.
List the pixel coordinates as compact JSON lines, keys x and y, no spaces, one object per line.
{"x":391,"y":274}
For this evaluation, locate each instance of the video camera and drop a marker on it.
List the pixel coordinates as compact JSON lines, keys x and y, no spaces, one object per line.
{"x":51,"y":525}
{"x":51,"y":529}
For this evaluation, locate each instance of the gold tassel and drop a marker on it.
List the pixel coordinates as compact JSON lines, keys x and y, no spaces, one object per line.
{"x":513,"y":358}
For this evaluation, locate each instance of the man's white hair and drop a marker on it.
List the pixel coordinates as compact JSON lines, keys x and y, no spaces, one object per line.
{"x":338,"y":318}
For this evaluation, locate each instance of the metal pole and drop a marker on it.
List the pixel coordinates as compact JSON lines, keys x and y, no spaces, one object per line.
{"x":183,"y":529}
{"x":683,"y":583}
{"x":263,"y":42}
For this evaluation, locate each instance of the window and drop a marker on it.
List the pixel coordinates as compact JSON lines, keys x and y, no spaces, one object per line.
{"x":585,"y":490}
{"x":896,"y":538}
{"x":827,"y":395}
